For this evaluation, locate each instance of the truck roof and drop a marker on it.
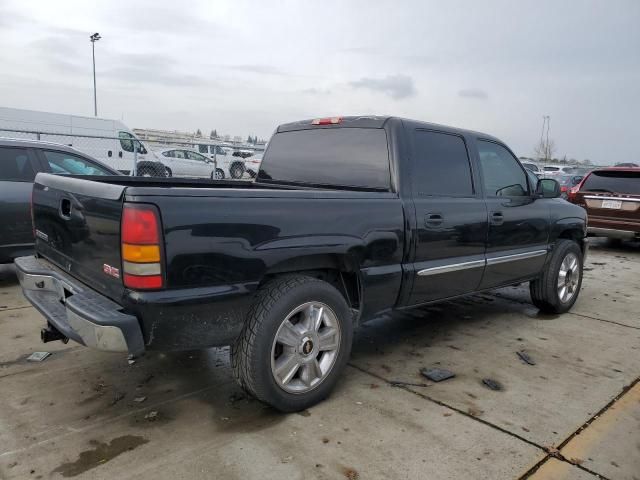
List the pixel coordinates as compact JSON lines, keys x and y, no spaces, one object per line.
{"x":377,"y":121}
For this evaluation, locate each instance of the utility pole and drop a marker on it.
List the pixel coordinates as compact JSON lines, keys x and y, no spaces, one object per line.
{"x":94,"y":38}
{"x":544,"y":121}
{"x":547,"y":152}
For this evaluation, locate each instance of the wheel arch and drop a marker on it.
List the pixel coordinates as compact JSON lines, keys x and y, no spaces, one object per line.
{"x":573,"y":229}
{"x":339,"y":270}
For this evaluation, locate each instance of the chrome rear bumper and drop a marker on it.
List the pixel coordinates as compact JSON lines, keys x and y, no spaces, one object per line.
{"x":76,"y":311}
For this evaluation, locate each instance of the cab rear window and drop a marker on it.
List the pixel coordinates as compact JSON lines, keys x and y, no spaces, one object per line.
{"x":613,"y":182}
{"x":347,"y":157}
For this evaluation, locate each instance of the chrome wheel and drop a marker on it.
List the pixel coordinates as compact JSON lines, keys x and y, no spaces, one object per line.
{"x":218,"y":174}
{"x":305,"y":347}
{"x":568,"y":277}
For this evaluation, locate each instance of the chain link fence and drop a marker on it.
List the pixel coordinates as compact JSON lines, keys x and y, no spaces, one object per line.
{"x":186,"y":158}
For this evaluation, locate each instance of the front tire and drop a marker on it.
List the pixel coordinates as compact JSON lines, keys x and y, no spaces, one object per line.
{"x":558,"y":287}
{"x":217,"y":174}
{"x":295,"y":343}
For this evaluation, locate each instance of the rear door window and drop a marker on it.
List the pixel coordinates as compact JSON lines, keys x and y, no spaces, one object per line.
{"x":68,"y":164}
{"x":613,"y":182}
{"x":195,"y":156}
{"x":356,"y":157}
{"x":15,"y":165}
{"x":440,"y":165}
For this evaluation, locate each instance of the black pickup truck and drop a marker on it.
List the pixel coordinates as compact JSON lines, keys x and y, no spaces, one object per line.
{"x":347,"y":218}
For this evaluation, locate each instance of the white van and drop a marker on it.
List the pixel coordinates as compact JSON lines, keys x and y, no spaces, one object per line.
{"x":109,"y":141}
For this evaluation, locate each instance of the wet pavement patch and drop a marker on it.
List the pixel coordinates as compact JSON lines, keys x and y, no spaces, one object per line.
{"x":101,"y":453}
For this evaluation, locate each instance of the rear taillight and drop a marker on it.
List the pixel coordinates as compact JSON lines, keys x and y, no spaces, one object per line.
{"x":571,"y":195}
{"x":140,"y":246}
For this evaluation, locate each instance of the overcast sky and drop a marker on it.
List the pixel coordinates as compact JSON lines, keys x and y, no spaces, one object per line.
{"x":243,"y":67}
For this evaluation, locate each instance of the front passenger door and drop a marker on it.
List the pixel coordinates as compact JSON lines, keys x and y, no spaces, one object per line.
{"x":518,"y":220}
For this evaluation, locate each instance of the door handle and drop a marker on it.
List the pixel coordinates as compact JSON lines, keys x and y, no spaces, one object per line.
{"x":109,"y":154}
{"x":497,"y":218}
{"x":65,"y":208}
{"x":433,"y":219}
{"x":120,"y":154}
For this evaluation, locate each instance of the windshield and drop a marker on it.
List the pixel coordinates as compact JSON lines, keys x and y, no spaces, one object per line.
{"x":613,"y":182}
{"x":356,"y":157}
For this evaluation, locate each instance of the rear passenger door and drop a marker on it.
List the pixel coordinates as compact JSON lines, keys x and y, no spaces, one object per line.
{"x":17,"y":172}
{"x":518,"y":220}
{"x":451,"y":218}
{"x":199,"y":164}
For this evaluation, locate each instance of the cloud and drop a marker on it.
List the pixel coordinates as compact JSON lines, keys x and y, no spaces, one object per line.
{"x":259,"y":69}
{"x":396,"y":86}
{"x":167,"y":21}
{"x":474,"y":93}
{"x":316,"y":91}
{"x":61,"y":53}
{"x":135,"y":68}
{"x":361,"y":50}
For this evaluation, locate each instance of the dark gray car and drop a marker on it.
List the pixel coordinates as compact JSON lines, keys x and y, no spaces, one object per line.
{"x":20,"y":160}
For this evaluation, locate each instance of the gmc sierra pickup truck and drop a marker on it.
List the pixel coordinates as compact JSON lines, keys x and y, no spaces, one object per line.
{"x":347,"y":218}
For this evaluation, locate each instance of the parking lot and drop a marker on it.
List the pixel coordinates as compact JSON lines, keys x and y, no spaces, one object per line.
{"x":574,"y":413}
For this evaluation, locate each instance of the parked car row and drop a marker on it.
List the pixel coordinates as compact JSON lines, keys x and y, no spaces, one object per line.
{"x":115,"y":145}
{"x":186,"y":162}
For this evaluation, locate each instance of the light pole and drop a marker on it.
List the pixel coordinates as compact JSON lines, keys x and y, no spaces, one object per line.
{"x":94,"y":38}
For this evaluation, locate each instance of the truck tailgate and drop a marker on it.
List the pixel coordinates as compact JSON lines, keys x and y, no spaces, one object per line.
{"x":77,"y":228}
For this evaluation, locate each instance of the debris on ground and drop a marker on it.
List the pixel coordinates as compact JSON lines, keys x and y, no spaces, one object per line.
{"x":525,"y":357}
{"x":139,"y":399}
{"x":38,"y":356}
{"x":492,"y":384}
{"x":351,"y":474}
{"x":400,"y":383}
{"x":131,"y":361}
{"x":287,"y":459}
{"x":151,"y":416}
{"x":437,"y":374}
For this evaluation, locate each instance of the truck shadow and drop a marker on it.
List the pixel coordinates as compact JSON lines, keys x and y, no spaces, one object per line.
{"x":8,"y":276}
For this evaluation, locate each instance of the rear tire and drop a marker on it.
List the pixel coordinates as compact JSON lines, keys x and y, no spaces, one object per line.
{"x":236,"y":171}
{"x":558,"y":287}
{"x":295,"y":343}
{"x":168,"y":172}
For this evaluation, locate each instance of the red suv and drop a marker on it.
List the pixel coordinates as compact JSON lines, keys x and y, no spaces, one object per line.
{"x":611,"y":197}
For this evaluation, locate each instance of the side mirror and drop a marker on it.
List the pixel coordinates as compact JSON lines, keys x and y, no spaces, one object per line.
{"x":548,"y":188}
